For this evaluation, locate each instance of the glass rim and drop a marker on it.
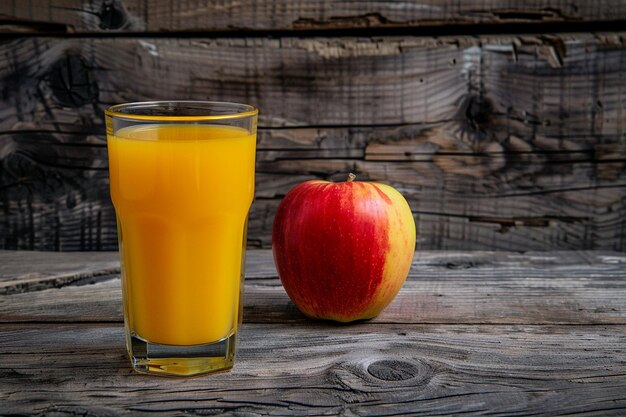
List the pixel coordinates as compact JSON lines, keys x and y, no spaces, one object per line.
{"x":117,"y":111}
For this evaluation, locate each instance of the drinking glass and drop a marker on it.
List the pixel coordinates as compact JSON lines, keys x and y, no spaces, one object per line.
{"x":182,"y":182}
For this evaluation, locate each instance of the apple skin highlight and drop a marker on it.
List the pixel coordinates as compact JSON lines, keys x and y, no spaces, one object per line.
{"x":343,"y":250}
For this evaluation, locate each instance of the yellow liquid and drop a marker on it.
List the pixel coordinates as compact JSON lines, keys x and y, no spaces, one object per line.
{"x":182,"y":195}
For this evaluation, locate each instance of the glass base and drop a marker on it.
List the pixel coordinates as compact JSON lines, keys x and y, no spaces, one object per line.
{"x":170,"y":360}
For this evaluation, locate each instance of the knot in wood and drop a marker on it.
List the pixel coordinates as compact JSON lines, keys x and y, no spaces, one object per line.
{"x":460,"y":265}
{"x":478,"y":112}
{"x":393,"y":370}
{"x":112,"y":15}
{"x":71,"y":82}
{"x":474,"y":117}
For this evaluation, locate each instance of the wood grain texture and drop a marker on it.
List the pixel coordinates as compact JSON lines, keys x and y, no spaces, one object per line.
{"x":498,"y":143}
{"x":290,"y":366}
{"x":442,"y":287}
{"x":34,"y":271}
{"x":209,"y":15}
{"x":314,"y":369}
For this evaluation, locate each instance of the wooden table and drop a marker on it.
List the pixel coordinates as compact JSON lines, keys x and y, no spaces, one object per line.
{"x":471,"y":332}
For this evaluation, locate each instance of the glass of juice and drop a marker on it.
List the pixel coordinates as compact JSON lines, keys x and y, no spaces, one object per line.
{"x":182,"y":182}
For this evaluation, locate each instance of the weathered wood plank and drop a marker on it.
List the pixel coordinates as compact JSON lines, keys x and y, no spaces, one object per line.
{"x":292,"y":366}
{"x":442,"y":287}
{"x":46,"y":16}
{"x":308,"y":369}
{"x":34,"y":271}
{"x":28,"y":271}
{"x":507,"y":143}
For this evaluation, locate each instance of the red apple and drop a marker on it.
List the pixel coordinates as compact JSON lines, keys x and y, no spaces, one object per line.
{"x":343,"y":250}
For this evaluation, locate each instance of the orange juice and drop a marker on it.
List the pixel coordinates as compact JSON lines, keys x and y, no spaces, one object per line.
{"x":182,"y":195}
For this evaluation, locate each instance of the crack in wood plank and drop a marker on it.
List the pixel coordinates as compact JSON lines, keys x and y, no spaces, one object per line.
{"x":30,"y":284}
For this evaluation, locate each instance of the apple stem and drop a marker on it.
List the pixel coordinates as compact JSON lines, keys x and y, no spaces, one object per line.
{"x":351,"y":177}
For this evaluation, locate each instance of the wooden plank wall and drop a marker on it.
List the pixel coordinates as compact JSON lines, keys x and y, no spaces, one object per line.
{"x":509,"y":141}
{"x":226,"y":15}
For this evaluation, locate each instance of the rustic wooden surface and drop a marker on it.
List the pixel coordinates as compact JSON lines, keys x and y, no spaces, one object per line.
{"x":70,"y":16}
{"x":444,"y":287}
{"x":471,"y":332}
{"x":498,"y":142}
